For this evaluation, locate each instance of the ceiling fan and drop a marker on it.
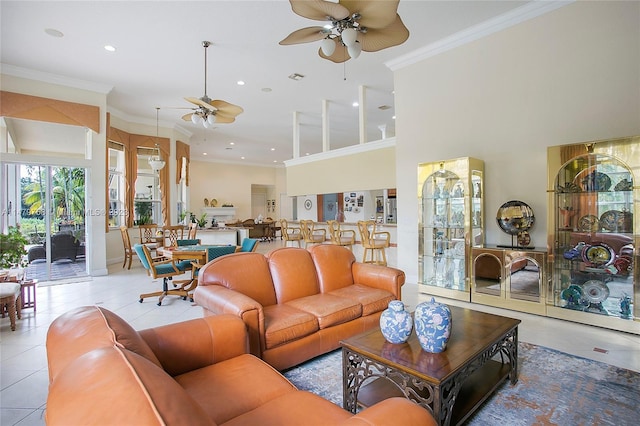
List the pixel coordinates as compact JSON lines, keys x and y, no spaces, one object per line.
{"x":209,"y":111}
{"x":354,"y":26}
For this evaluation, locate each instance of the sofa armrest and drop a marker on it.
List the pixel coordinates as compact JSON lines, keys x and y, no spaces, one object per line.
{"x":216,"y":299}
{"x":194,"y":344}
{"x":377,"y":276}
{"x":392,"y":411}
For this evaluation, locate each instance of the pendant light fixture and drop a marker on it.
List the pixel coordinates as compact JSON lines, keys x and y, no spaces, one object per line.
{"x":155,"y":161}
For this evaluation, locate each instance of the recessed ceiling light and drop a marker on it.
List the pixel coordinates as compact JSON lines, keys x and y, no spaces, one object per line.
{"x":240,"y":83}
{"x":394,"y":117}
{"x":297,"y":77}
{"x":53,"y":32}
{"x":232,"y":143}
{"x":273,"y":149}
{"x":204,"y":153}
{"x":242,"y":158}
{"x":109,"y":48}
{"x":355,"y":104}
{"x":306,"y":153}
{"x":275,"y":161}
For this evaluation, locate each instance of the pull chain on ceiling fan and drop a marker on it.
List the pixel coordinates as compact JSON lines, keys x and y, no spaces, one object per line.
{"x":208,"y":111}
{"x":355,"y":25}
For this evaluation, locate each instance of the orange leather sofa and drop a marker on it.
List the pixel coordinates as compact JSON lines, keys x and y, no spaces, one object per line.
{"x":195,"y":372}
{"x":298,"y":303}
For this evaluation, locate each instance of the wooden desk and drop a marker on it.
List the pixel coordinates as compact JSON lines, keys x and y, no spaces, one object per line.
{"x":481,"y":353}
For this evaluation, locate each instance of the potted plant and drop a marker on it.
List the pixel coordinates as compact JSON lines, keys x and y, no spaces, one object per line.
{"x":202,"y":221}
{"x":12,"y":248}
{"x":143,"y":211}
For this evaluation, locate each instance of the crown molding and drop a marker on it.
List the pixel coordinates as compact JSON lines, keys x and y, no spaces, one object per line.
{"x":341,"y":152}
{"x":516,"y":16}
{"x":29,"y":74}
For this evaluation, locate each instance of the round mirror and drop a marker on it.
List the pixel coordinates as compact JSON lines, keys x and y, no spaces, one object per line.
{"x":515,"y":217}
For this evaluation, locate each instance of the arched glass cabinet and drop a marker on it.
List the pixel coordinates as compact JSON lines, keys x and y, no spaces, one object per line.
{"x":451,"y":220}
{"x":594,"y":233}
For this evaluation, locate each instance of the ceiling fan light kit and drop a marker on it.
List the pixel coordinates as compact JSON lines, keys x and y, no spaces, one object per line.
{"x":355,"y":25}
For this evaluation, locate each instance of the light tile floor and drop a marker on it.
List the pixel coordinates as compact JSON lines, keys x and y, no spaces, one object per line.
{"x":23,"y":369}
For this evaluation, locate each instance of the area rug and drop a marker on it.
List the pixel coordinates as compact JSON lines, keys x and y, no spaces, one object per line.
{"x":553,"y":388}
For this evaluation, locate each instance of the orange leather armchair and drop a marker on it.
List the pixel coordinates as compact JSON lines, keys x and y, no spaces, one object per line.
{"x":197,"y":372}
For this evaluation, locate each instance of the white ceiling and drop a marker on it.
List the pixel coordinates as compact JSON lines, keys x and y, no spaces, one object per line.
{"x":160,"y":60}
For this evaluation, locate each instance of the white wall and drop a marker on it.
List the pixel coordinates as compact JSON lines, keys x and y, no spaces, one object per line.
{"x":230,"y":183}
{"x":569,"y":76}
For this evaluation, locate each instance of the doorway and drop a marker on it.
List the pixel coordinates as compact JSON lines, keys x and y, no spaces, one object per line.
{"x":48,"y":202}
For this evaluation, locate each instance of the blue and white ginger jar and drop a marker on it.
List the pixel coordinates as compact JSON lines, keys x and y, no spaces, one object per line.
{"x":433,"y":325}
{"x":396,"y":324}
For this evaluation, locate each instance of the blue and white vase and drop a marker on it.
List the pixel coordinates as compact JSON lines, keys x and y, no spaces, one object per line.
{"x":433,"y":325}
{"x":396,"y":324}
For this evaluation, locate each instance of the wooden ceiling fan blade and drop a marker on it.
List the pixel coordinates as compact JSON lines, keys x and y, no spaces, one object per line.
{"x":187,"y":117}
{"x":227,"y":108}
{"x":200,"y":102}
{"x":319,"y":10}
{"x":339,"y":55}
{"x":378,"y":39}
{"x":374,"y":14}
{"x":223,"y":119}
{"x":305,"y":35}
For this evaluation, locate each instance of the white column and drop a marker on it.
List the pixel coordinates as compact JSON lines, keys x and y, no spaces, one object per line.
{"x":326,"y":144}
{"x":362,"y":98}
{"x":296,"y":134}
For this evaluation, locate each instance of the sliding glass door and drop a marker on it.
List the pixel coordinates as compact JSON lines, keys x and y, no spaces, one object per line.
{"x":48,"y":203}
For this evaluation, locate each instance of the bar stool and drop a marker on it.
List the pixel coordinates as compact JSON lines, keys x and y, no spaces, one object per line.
{"x":11,"y":300}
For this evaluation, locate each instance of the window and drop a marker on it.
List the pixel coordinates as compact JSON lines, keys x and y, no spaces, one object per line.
{"x":182,"y":189}
{"x":116,"y":185}
{"x":147,"y":200}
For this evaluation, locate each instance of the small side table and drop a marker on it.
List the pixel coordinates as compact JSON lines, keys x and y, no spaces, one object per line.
{"x":28,"y":294}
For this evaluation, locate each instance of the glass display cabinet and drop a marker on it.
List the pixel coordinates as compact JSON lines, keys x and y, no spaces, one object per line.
{"x":451,"y":220}
{"x":593,"y":222}
{"x":509,"y":278}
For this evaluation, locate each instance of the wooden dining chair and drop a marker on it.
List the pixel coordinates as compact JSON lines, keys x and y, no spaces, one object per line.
{"x":340,"y":237}
{"x":374,"y":242}
{"x":128,"y":251}
{"x":193,"y":230}
{"x":172,"y":233}
{"x":148,"y":235}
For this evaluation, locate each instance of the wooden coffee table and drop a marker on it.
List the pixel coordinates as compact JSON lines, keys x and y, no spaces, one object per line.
{"x":481,"y":353}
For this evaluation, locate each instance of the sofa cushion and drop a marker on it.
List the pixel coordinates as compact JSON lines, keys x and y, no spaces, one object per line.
{"x":328,"y":309}
{"x":103,"y":381}
{"x":372,"y":299}
{"x":285,"y":323}
{"x":333,"y":266}
{"x":246,"y":273}
{"x":294,"y":408}
{"x":293,"y":273}
{"x":237,"y":385}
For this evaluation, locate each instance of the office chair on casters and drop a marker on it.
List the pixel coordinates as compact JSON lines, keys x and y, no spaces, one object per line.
{"x":165,"y":269}
{"x":248,"y":245}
